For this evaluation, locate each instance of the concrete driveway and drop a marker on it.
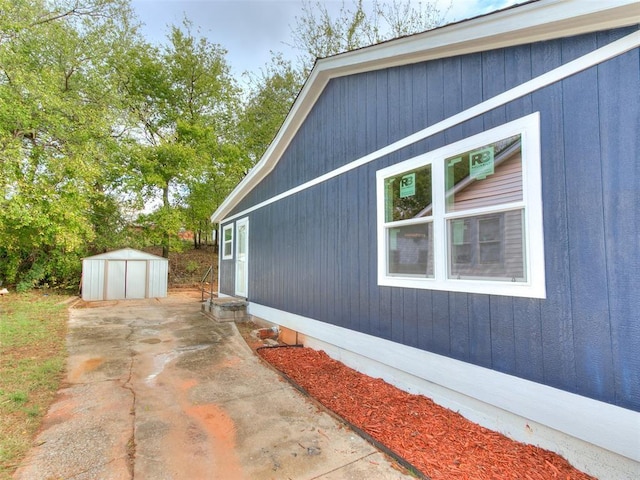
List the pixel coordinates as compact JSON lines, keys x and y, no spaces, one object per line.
{"x":157,"y":390}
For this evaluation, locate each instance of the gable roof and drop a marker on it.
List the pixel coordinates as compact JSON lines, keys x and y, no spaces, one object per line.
{"x":522,"y":24}
{"x":125,"y":254}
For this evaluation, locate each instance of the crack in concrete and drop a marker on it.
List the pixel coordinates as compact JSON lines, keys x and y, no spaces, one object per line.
{"x":84,"y":472}
{"x":127,"y":385}
{"x":345,"y":465}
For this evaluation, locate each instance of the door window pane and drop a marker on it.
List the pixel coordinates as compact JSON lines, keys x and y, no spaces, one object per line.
{"x":242,"y":240}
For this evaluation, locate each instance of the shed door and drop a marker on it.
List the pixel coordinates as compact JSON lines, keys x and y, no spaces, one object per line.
{"x":136,"y":286}
{"x":115,"y":273}
{"x":242,"y":257}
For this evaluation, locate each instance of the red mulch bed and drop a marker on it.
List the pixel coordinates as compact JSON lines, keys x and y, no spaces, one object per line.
{"x":442,"y":444}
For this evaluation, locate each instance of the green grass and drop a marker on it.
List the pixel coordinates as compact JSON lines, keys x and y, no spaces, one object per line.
{"x":32,"y":359}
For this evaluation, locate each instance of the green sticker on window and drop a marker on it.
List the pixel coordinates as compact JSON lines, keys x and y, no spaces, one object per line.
{"x":481,"y":163}
{"x":408,"y":185}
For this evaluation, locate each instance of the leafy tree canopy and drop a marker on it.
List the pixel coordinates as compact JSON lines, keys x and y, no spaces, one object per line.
{"x":98,"y":125}
{"x":183,"y":103}
{"x":318,"y":33}
{"x":58,"y":109}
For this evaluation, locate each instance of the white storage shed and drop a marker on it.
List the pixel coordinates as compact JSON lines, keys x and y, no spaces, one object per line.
{"x":124,"y":274}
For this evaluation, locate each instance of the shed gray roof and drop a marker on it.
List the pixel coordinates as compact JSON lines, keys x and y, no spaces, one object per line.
{"x":126,"y":254}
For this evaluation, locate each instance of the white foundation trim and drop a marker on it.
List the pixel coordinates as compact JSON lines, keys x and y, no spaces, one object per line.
{"x":496,"y":400}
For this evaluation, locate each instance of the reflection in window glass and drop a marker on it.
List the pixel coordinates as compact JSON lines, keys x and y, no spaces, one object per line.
{"x":490,"y":240}
{"x":461,"y":241}
{"x":487,"y":247}
{"x":410,"y":250}
{"x":408,"y":195}
{"x":486,"y":176}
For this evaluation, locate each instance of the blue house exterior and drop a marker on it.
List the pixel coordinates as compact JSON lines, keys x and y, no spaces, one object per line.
{"x":458,"y":212}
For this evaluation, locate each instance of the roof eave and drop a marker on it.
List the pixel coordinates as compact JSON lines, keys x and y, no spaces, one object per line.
{"x":528,"y":23}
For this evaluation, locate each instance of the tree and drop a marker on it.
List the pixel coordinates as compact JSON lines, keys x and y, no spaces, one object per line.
{"x":318,"y":34}
{"x":269,"y":99}
{"x":57,"y":111}
{"x":183,"y":101}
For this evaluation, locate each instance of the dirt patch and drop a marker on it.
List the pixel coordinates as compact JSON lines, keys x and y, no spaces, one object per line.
{"x":442,"y":444}
{"x":180,"y":292}
{"x":186,"y":292}
{"x":247,"y":330}
{"x":189,"y":266}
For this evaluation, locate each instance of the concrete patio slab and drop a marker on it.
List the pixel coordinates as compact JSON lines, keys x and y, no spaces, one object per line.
{"x":157,"y":390}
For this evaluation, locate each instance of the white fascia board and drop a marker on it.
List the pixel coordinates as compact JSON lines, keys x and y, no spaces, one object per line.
{"x":528,"y":23}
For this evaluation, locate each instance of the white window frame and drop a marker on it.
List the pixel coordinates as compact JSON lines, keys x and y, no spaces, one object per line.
{"x":224,"y":242}
{"x":534,"y":286}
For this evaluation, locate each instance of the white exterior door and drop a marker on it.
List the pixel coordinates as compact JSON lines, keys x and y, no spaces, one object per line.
{"x":115,"y":272}
{"x":136,"y":279}
{"x":242,"y":257}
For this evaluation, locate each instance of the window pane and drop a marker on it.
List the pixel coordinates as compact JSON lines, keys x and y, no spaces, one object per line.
{"x":242,"y":241}
{"x":460,"y":241}
{"x":487,"y":247}
{"x":490,"y":175}
{"x":410,"y":250}
{"x":227,"y":234}
{"x":227,"y":249}
{"x":408,"y":195}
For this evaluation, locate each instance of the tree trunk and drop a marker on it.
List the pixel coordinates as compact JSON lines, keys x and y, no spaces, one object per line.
{"x":165,"y":203}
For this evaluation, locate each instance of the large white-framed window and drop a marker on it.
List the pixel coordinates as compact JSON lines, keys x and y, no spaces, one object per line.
{"x":227,"y":242}
{"x":466,"y":217}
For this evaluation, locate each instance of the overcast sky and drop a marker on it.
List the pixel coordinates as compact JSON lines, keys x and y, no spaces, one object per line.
{"x":250,"y":29}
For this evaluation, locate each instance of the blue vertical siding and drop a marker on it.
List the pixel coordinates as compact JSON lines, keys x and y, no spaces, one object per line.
{"x":459,"y":325}
{"x":479,"y":330}
{"x":227,"y":276}
{"x":315,"y":253}
{"x":529,"y":347}
{"x":557,"y":321}
{"x":503,"y":349}
{"x":424,"y":319}
{"x":621,"y":200}
{"x":587,"y":263}
{"x":441,"y":320}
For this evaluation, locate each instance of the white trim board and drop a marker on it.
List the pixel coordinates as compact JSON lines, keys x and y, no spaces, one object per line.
{"x":588,"y":60}
{"x":607,"y":426}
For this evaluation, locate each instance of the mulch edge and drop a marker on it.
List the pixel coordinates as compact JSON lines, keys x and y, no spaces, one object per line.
{"x":380,"y":446}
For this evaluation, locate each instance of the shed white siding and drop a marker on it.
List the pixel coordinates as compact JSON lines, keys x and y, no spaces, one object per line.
{"x":93,"y":275}
{"x":157,"y":279}
{"x":124,"y":274}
